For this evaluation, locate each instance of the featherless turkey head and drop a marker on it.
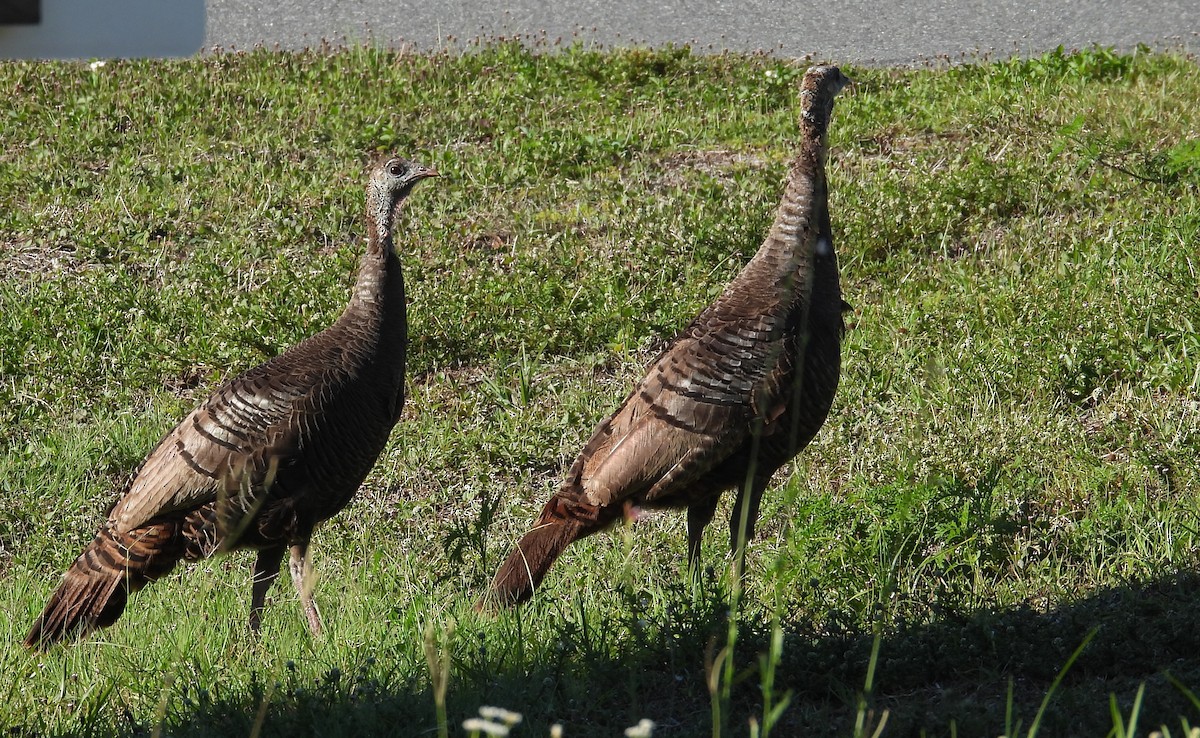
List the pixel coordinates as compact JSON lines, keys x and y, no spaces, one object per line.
{"x":391,"y":180}
{"x":395,"y":177}
{"x":817,"y":90}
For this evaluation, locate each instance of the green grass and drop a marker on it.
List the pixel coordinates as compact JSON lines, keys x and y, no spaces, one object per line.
{"x":1010,"y":466}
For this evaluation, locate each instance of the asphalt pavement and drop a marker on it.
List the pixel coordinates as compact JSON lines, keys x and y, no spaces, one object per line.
{"x":854,"y":31}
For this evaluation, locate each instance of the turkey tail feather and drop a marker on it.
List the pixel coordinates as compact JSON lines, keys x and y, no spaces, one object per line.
{"x":526,"y":566}
{"x":94,"y":590}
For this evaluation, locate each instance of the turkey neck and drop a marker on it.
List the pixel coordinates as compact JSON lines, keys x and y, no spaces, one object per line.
{"x":788,"y":261}
{"x":377,"y":305}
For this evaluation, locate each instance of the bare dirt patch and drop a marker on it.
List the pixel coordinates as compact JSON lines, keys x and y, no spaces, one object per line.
{"x":720,"y":164}
{"x":19,"y":258}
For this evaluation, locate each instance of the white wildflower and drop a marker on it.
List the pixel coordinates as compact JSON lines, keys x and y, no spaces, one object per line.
{"x":487,"y":727}
{"x":644,"y":729}
{"x":508,"y":717}
{"x":97,"y":64}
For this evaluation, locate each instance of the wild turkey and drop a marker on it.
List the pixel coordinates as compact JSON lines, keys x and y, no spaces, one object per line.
{"x":268,"y":456}
{"x":732,"y":398}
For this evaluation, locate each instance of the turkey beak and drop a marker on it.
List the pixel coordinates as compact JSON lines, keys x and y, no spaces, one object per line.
{"x":425,"y":172}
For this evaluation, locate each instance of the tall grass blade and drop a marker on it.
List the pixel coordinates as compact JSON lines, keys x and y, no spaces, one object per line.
{"x":1037,"y":719}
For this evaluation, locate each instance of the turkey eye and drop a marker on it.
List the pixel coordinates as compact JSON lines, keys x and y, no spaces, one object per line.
{"x":396,"y":169}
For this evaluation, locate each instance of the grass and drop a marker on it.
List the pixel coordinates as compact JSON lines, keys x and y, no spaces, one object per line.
{"x":1010,"y":466}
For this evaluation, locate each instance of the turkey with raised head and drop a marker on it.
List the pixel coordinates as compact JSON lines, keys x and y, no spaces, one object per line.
{"x":268,"y":455}
{"x":731,"y":399}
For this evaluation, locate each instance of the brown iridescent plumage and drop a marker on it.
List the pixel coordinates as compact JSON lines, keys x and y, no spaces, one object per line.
{"x":268,"y":456}
{"x":732,"y":398}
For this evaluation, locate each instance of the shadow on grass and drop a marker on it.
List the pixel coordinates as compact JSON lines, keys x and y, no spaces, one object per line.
{"x":962,"y":669}
{"x":597,"y":678}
